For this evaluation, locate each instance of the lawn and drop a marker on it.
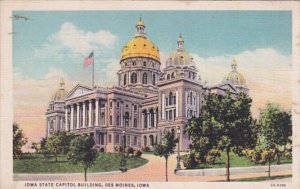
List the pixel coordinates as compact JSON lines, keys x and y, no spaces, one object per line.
{"x":236,"y":161}
{"x":36,"y":163}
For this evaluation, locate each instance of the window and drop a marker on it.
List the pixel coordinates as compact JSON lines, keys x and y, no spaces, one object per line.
{"x":173,"y":75}
{"x":170,"y":115}
{"x":118,"y":120}
{"x":174,"y":113}
{"x":125,"y":79}
{"x":191,"y":98}
{"x":168,"y":76}
{"x":133,"y":78}
{"x":170,"y":98}
{"x":144,"y":78}
{"x":110,"y":120}
{"x":191,"y":113}
{"x":109,"y":138}
{"x":167,"y":101}
{"x":128,"y":140}
{"x":135,"y":123}
{"x":118,"y":104}
{"x":135,"y":140}
{"x":174,"y":98}
{"x":144,"y":64}
{"x":110,"y":104}
{"x":117,"y":139}
{"x":135,"y":107}
{"x":133,"y":63}
{"x":153,"y":79}
{"x":167,"y":115}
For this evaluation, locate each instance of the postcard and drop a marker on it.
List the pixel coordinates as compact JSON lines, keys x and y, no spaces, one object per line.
{"x":150,"y":94}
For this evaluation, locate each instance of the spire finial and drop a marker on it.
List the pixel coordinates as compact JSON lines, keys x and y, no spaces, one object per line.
{"x":233,"y":64}
{"x":62,"y":83}
{"x":180,"y":42}
{"x":140,"y":16}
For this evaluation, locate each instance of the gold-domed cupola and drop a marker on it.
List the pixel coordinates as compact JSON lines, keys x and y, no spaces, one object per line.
{"x":180,"y":57}
{"x":234,"y":77}
{"x":61,"y":93}
{"x":140,"y":45}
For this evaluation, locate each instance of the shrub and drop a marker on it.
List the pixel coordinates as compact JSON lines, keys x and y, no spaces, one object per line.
{"x":189,"y":161}
{"x":212,"y":156}
{"x":138,"y":153}
{"x":129,"y":151}
{"x":146,"y":149}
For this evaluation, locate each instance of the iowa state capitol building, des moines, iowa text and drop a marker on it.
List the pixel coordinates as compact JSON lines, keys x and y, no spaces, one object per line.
{"x":153,"y":99}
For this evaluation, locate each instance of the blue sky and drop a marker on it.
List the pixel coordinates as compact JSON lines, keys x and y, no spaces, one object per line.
{"x":207,"y":33}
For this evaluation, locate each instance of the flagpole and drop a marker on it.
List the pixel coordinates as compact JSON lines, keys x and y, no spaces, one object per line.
{"x":93,"y":69}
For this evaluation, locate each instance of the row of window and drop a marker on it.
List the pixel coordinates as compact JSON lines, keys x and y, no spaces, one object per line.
{"x":191,"y":99}
{"x":144,"y":64}
{"x":133,"y":79}
{"x":170,"y":114}
{"x":119,"y":138}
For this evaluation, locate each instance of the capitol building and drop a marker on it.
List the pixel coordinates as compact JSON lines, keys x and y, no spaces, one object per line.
{"x":148,"y":100}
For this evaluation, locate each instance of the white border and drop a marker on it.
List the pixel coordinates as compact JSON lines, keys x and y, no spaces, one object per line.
{"x":6,"y":101}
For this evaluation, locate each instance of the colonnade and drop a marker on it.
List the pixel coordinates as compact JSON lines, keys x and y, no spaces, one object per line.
{"x":149,"y":118}
{"x":85,"y":114}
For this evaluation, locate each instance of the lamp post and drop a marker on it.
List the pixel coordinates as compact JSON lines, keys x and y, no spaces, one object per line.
{"x":123,"y":163}
{"x":178,"y":153}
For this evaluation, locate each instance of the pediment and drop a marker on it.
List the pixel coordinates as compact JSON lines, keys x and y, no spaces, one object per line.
{"x":78,"y":90}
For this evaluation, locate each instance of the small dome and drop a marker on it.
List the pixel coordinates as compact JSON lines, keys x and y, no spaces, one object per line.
{"x":180,"y":57}
{"x":61,"y":93}
{"x":234,"y":77}
{"x":140,"y":23}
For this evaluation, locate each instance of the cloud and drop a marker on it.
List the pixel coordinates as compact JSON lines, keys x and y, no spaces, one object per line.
{"x":80,"y":41}
{"x":31,"y":97}
{"x":267,"y":73}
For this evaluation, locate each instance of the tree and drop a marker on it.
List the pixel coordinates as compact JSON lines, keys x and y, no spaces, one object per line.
{"x":82,"y":152}
{"x":19,"y":140}
{"x":274,"y":134}
{"x":58,"y":143}
{"x":166,"y":149}
{"x":43,"y":148}
{"x":225,"y":124}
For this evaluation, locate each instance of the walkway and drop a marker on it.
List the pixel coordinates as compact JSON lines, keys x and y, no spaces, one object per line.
{"x":154,"y":170}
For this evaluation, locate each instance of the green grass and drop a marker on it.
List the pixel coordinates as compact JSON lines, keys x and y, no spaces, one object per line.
{"x":36,"y":163}
{"x":257,"y":178}
{"x":236,"y":161}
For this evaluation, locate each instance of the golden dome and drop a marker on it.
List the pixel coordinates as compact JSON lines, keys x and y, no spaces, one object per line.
{"x":140,"y":23}
{"x":140,"y":46}
{"x":61,"y":93}
{"x":180,"y":57}
{"x":234,"y":77}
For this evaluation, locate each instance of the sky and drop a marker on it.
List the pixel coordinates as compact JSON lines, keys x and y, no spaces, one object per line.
{"x":53,"y":44}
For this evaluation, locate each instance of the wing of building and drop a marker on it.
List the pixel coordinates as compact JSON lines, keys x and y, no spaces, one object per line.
{"x":154,"y":99}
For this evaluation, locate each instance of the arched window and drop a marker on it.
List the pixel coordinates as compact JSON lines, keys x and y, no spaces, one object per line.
{"x":173,"y":75}
{"x":153,"y":79}
{"x":125,"y":79}
{"x":144,"y":78}
{"x":133,"y":78}
{"x":168,"y":76}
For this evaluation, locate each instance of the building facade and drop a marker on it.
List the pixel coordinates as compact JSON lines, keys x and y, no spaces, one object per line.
{"x":154,"y":99}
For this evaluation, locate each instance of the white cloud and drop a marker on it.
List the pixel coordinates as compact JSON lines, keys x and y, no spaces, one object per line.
{"x":80,"y":41}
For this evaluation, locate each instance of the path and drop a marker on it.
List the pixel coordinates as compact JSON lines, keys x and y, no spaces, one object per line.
{"x":154,"y":170}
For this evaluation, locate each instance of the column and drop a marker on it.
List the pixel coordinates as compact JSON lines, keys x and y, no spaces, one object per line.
{"x":90,"y":113}
{"x":97,"y":112}
{"x":177,"y":103}
{"x":83,"y":115}
{"x":61,"y":123}
{"x":155,"y":118}
{"x":72,"y":116}
{"x":143,"y":120}
{"x":77,"y":126}
{"x":163,"y":106}
{"x":148,"y":119}
{"x":66,"y":119}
